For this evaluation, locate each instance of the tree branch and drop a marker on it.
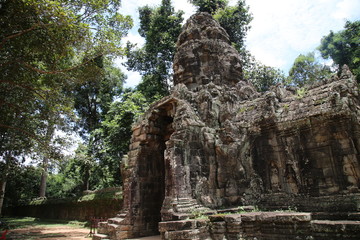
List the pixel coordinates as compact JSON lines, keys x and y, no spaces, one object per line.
{"x":25,"y":87}
{"x":27,"y":65}
{"x":32,"y":136}
{"x":7,"y":38}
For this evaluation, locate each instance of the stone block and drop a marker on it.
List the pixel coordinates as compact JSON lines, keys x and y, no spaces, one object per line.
{"x":182,"y":235}
{"x":176,"y":225}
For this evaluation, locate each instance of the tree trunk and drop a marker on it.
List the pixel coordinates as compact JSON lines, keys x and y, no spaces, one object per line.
{"x":44,"y":175}
{"x":86,"y":184}
{"x":2,"y":193}
{"x":3,"y":180}
{"x":49,"y":135}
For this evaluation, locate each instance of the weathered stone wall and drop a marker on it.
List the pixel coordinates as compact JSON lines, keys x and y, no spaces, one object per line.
{"x":311,"y":145}
{"x":260,"y":226}
{"x":81,"y":211}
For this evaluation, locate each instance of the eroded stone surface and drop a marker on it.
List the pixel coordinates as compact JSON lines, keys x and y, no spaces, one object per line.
{"x":204,"y":55}
{"x":215,"y":142}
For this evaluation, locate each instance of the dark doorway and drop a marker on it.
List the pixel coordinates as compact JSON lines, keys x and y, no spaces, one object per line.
{"x":152,"y":172}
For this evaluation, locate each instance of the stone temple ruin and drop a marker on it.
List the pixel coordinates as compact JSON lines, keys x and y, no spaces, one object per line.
{"x":215,"y":147}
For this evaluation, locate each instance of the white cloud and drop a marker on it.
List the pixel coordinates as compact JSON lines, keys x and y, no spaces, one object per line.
{"x":347,"y":9}
{"x":133,"y":78}
{"x":134,"y":38}
{"x":185,"y":6}
{"x":285,"y":29}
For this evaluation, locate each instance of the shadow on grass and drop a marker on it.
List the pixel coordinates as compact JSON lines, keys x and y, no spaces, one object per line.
{"x":35,"y":236}
{"x":29,"y":228}
{"x":23,"y":222}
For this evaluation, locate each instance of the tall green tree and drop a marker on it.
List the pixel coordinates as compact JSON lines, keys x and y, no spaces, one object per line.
{"x":236,"y":21}
{"x":92,"y":102}
{"x":45,"y":47}
{"x":24,"y":180}
{"x":160,"y":26}
{"x":116,"y":129}
{"x":262,"y":76}
{"x":343,"y":47}
{"x":307,"y":70}
{"x":92,"y":98}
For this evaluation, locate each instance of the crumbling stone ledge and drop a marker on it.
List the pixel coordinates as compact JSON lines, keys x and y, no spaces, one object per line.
{"x":260,"y":225}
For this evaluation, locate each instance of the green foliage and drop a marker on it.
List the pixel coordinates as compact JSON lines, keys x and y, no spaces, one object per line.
{"x":160,"y":26}
{"x":25,"y":181}
{"x":116,"y":131}
{"x":96,"y":164}
{"x":47,"y":49}
{"x":235,"y":20}
{"x":343,"y":47}
{"x":209,"y":6}
{"x":92,"y":101}
{"x":110,"y":194}
{"x":92,"y":98}
{"x":301,"y":92}
{"x":104,"y":194}
{"x":306,"y":70}
{"x":198,"y":214}
{"x":24,"y":222}
{"x":60,"y":185}
{"x":260,"y":75}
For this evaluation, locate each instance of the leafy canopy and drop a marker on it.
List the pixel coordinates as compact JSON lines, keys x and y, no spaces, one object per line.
{"x":343,"y":47}
{"x":307,"y":70}
{"x":47,"y":47}
{"x":209,"y":6}
{"x":160,"y":26}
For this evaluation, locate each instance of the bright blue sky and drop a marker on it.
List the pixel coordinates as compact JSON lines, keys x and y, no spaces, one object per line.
{"x":280,"y":30}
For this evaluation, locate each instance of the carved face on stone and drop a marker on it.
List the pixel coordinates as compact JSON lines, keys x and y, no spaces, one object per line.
{"x":204,"y":54}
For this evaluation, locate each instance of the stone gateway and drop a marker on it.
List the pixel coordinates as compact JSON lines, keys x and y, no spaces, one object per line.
{"x":200,"y":158}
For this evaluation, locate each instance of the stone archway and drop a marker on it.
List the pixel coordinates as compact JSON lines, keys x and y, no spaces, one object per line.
{"x":151,"y":170}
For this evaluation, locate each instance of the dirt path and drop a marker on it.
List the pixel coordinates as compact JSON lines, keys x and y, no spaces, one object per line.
{"x":49,"y":233}
{"x":56,"y":233}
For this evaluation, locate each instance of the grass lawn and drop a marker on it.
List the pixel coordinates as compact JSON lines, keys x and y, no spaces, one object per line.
{"x":29,"y":228}
{"x":23,"y":222}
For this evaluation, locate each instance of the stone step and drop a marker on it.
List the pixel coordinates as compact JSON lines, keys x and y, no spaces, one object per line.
{"x":186,"y":208}
{"x":113,"y":226}
{"x":184,"y":234}
{"x":184,"y":200}
{"x":115,"y":220}
{"x":99,"y":236}
{"x":121,"y":215}
{"x":102,"y":224}
{"x":184,"y":204}
{"x":347,"y":227}
{"x":237,"y":209}
{"x":355,"y":216}
{"x":107,"y":228}
{"x":181,"y":216}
